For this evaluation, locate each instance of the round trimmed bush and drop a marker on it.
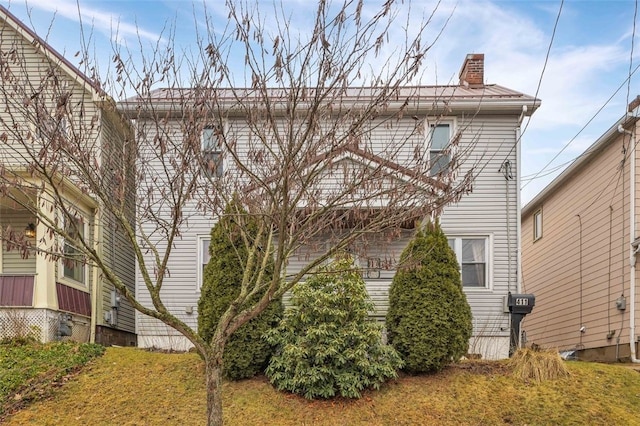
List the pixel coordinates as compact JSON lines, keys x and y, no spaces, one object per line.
{"x":246,"y":352}
{"x":429,"y":319}
{"x":327,"y":344}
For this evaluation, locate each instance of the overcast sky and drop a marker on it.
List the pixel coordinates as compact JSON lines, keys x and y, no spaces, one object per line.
{"x":589,"y":60}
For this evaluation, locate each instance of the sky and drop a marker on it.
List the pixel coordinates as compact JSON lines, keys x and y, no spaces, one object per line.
{"x":588,"y":81}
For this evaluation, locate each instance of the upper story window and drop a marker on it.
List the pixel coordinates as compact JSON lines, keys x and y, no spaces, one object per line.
{"x":73,"y":262}
{"x":212,"y":150}
{"x":203,"y":258}
{"x":537,"y":225}
{"x":439,"y":157}
{"x":473,"y":257}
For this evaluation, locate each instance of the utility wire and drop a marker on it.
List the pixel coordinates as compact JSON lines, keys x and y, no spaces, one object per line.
{"x":537,"y":175}
{"x":544,"y":68}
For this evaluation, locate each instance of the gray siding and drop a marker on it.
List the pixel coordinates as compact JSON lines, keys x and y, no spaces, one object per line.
{"x":489,"y":210}
{"x":118,"y":253}
{"x":180,"y":291}
{"x":486,"y":143}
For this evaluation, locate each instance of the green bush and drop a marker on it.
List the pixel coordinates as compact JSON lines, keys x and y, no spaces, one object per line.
{"x":246,"y":352}
{"x":429,"y":319}
{"x":327,"y":344}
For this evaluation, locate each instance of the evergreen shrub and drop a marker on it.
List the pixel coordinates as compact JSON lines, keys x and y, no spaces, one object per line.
{"x":429,"y":319}
{"x":326,"y":343}
{"x":246,"y":352}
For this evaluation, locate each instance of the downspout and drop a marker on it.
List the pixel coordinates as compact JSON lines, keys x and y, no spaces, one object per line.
{"x":632,"y":233}
{"x":519,"y":204}
{"x":518,"y":217}
{"x":97,"y":236}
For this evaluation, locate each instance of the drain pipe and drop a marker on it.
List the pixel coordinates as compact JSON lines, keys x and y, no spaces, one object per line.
{"x":632,"y":236}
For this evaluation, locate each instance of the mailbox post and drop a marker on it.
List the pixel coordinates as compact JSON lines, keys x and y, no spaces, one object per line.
{"x":519,"y":306}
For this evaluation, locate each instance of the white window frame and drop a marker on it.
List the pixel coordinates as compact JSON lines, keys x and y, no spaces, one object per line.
{"x":202,"y":259}
{"x":431,"y":125}
{"x":62,"y":278}
{"x":48,"y":126}
{"x":537,"y":227}
{"x":214,"y":153}
{"x":488,"y":250}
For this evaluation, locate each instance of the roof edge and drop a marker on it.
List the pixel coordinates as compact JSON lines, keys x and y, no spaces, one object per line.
{"x":22,"y":29}
{"x":595,"y":148}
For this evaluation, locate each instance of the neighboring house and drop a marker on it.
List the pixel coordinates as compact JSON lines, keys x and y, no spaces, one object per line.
{"x":50,"y":299}
{"x":483,"y":227}
{"x":579,"y":249}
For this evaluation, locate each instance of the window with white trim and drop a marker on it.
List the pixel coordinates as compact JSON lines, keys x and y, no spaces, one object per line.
{"x":537,"y":225}
{"x":73,"y":262}
{"x":212,"y":150}
{"x":473,"y":258}
{"x":439,"y":157}
{"x":203,"y":258}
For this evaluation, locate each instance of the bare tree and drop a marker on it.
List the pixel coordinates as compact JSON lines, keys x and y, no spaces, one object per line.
{"x":320,"y":137}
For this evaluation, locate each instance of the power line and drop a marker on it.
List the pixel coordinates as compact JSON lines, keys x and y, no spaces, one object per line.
{"x":537,"y":175}
{"x":544,"y":68}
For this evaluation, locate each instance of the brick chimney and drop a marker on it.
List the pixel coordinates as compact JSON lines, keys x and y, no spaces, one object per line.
{"x":472,"y":72}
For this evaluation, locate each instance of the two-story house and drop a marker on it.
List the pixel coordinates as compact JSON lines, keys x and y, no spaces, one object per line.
{"x":579,"y":250}
{"x":46,"y":100}
{"x":482,"y":120}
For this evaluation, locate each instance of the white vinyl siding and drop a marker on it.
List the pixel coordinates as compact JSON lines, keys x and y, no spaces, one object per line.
{"x":490,"y":211}
{"x":180,"y":287}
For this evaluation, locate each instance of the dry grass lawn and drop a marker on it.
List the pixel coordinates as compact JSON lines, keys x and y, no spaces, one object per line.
{"x":134,"y":387}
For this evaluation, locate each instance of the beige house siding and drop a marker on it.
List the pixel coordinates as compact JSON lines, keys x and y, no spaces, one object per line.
{"x":580,"y":265}
{"x":28,"y":63}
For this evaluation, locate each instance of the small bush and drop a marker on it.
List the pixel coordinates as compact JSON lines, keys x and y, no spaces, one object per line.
{"x":429,"y":319}
{"x":327,"y":344}
{"x":538,"y":365}
{"x":246,"y":352}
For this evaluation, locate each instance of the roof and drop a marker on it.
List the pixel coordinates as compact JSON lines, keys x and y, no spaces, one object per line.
{"x":488,"y":98}
{"x":49,"y":51}
{"x":590,"y":153}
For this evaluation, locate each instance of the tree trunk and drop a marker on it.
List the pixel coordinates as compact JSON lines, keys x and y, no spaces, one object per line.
{"x":213,"y":369}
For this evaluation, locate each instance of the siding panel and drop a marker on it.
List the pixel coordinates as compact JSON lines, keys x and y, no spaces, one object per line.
{"x":490,"y":210}
{"x":580,"y":265}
